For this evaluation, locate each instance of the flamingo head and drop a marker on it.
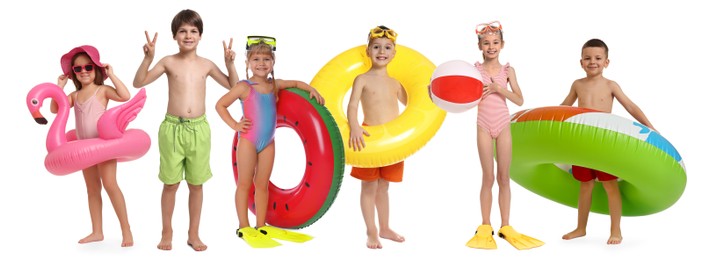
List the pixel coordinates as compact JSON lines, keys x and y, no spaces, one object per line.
{"x":39,"y":93}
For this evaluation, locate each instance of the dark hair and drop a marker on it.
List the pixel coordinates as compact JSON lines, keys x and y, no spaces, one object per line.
{"x":596,"y":43}
{"x":96,"y":69}
{"x":187,"y":16}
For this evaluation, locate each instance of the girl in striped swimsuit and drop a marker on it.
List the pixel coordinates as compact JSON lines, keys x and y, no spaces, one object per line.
{"x":494,"y":133}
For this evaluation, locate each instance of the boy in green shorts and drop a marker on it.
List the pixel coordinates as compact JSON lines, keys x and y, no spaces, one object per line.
{"x":184,"y":138}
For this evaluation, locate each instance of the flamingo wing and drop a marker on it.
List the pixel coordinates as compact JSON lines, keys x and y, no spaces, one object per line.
{"x":114,"y":121}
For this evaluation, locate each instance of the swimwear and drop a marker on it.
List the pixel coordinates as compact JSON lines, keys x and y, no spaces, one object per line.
{"x":87,"y":114}
{"x":584,"y":174}
{"x":261,"y":110}
{"x":185,"y":146}
{"x":391,"y":173}
{"x":493,"y":114}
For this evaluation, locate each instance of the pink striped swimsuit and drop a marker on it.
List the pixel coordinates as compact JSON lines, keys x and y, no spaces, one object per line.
{"x":493,"y":114}
{"x":87,"y":114}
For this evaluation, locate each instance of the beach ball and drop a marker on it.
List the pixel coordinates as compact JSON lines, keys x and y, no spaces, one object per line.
{"x":456,"y":86}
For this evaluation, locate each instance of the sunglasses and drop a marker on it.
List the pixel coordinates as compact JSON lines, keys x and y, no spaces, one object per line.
{"x":490,"y":27}
{"x":378,"y":32}
{"x":252,"y":40}
{"x":87,"y":67}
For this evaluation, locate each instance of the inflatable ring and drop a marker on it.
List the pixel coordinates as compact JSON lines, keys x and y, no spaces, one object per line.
{"x":67,"y":154}
{"x":307,"y":202}
{"x":651,"y":172}
{"x":396,"y":140}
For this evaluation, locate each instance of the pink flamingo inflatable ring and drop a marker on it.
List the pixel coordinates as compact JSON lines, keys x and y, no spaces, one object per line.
{"x":67,"y":154}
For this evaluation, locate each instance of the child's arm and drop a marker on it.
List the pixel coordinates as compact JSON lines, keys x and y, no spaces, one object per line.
{"x":356,"y":140}
{"x":62,"y":80}
{"x":629,"y":105}
{"x":220,"y":77}
{"x":402,"y":95}
{"x":120,"y":93}
{"x":303,"y":86}
{"x":240,"y":90}
{"x":143,"y":75}
{"x":229,"y":57}
{"x":572,"y":96}
{"x":515,"y":95}
{"x":225,"y":81}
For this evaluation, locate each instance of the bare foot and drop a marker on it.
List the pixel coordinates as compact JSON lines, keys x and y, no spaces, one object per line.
{"x":615,"y":238}
{"x":575,"y":234}
{"x":391,"y":235}
{"x":373,"y":242}
{"x":196,"y":244}
{"x":166,"y":238}
{"x":93,"y":237}
{"x":127,"y":239}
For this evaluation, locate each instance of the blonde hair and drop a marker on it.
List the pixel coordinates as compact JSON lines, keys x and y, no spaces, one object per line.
{"x":262,"y":48}
{"x":499,"y":32}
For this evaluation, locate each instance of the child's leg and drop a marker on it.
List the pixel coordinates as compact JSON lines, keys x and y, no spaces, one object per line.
{"x":246,"y":159}
{"x":614,"y":209}
{"x":168,"y":202}
{"x":196,"y":199}
{"x":367,"y":202}
{"x":95,"y":204}
{"x":504,"y":153}
{"x":485,"y":152}
{"x":107,"y":171}
{"x":382,"y":202}
{"x":584,"y":207}
{"x":261,"y":183}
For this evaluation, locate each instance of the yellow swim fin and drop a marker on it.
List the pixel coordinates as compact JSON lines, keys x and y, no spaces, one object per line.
{"x":483,"y":238}
{"x":283,"y":234}
{"x":518,"y":240}
{"x":256,"y":239}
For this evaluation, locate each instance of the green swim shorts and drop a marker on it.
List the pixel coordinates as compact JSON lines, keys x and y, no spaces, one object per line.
{"x":185,"y":148}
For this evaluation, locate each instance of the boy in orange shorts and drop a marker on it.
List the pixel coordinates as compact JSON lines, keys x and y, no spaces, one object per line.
{"x":391,"y":173}
{"x":379,"y":94}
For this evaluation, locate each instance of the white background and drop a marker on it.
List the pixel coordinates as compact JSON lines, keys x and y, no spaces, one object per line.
{"x":665,"y":55}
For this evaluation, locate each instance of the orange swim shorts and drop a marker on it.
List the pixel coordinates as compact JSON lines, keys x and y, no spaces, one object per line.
{"x":391,"y":173}
{"x":585,"y":174}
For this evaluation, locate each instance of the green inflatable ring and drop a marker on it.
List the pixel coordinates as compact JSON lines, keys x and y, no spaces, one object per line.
{"x":547,"y":140}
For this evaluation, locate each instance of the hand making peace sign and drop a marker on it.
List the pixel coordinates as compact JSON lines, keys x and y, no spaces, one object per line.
{"x":149,"y":49}
{"x":229,"y":54}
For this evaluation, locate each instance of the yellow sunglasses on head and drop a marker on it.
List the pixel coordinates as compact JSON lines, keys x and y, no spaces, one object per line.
{"x":490,"y":27}
{"x":379,"y":32}
{"x":251,"y":40}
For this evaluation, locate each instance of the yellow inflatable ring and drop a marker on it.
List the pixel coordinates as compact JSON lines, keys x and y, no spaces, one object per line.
{"x":393,"y":141}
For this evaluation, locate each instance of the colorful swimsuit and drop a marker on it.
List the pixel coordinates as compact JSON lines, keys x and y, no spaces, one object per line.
{"x":493,"y":114}
{"x":261,"y":110}
{"x":86,"y":116}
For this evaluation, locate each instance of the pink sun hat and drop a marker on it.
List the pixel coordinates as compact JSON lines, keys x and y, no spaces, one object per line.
{"x":66,"y":61}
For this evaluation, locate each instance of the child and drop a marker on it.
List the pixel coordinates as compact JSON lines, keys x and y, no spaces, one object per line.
{"x":184,"y":135}
{"x":494,"y":133}
{"x":255,"y":149}
{"x":597,"y":92}
{"x":83,"y":66}
{"x":378,"y":93}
